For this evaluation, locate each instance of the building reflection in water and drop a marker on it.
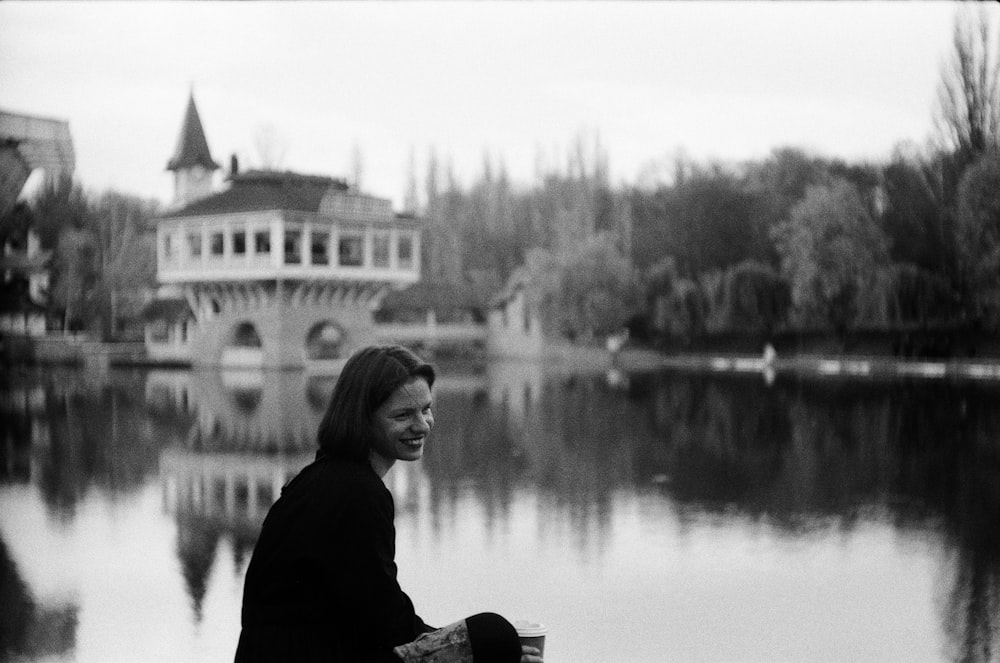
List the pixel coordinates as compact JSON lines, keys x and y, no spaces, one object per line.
{"x":249,"y":433}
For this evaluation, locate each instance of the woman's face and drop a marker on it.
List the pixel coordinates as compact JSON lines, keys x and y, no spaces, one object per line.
{"x":402,"y":422}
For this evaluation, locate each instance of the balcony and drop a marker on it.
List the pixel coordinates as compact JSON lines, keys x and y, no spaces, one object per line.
{"x":252,"y":246}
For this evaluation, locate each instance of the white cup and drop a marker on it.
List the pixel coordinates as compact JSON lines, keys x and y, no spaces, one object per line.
{"x":531,"y":634}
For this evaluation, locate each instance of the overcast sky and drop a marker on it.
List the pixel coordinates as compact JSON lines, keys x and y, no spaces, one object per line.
{"x":516,"y":80}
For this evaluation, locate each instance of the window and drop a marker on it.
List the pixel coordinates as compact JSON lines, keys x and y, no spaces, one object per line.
{"x":159,"y":332}
{"x":320,"y":248}
{"x":262,"y":242}
{"x":239,"y":242}
{"x":168,"y":247}
{"x":216,"y":243}
{"x":405,"y":252}
{"x":380,"y":251}
{"x":194,"y":244}
{"x":293,"y":247}
{"x":351,"y":251}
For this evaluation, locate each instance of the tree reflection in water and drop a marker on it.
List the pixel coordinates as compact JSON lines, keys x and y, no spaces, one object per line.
{"x":29,"y":631}
{"x":796,"y":454}
{"x":799,"y":454}
{"x":86,"y":431}
{"x":926,"y":455}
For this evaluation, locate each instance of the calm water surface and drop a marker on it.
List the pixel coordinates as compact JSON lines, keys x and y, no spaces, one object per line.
{"x":644,"y":518}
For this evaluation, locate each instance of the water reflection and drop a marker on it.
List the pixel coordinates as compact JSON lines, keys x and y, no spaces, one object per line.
{"x":28,"y":629}
{"x":68,"y":432}
{"x":249,"y":433}
{"x":798,"y":455}
{"x":806,"y":454}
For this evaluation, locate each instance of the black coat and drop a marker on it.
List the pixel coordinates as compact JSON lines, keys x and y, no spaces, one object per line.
{"x":321,"y":584}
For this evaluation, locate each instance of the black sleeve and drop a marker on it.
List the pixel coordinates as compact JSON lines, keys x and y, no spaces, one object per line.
{"x":381,"y":613}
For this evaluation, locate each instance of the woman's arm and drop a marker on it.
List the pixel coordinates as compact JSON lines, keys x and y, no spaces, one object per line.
{"x":378,"y":610}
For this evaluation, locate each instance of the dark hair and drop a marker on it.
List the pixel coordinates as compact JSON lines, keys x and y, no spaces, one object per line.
{"x":367,"y":381}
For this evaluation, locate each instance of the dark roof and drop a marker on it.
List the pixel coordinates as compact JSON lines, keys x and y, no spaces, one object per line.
{"x":171,"y":310}
{"x":192,"y":148}
{"x":436,"y":296}
{"x":257,"y":190}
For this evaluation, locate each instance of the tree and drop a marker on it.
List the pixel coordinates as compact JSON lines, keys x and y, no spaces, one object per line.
{"x":14,"y":225}
{"x":59,"y":204}
{"x":913,"y":218}
{"x":832,"y":254}
{"x":357,"y":167}
{"x":271,"y":147}
{"x":104,"y":252}
{"x":676,"y":305}
{"x":978,"y":221}
{"x":712,"y":218}
{"x":785,"y":175}
{"x":125,"y":256}
{"x":15,"y":295}
{"x":650,"y":233}
{"x":75,"y":276}
{"x":754,"y":297}
{"x":411,"y":202}
{"x":584,"y":292}
{"x":710,"y":225}
{"x":599,"y":289}
{"x":919,"y":296}
{"x":778,"y":182}
{"x":61,"y":217}
{"x":968,"y":116}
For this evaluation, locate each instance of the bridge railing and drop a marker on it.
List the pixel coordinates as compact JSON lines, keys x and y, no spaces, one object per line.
{"x":440,"y":332}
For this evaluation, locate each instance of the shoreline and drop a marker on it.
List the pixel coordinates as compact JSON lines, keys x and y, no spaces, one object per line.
{"x":853,"y":366}
{"x":86,"y":353}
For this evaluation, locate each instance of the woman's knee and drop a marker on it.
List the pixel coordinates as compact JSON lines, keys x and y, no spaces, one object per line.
{"x":493,"y":639}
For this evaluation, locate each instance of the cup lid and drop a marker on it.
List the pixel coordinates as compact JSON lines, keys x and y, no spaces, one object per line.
{"x":529,"y":629}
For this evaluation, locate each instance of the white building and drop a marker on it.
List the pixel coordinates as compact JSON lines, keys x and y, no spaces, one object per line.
{"x":278,"y":269}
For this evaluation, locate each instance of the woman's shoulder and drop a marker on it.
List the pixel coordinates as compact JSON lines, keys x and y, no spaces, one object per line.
{"x":347,"y":470}
{"x":336,"y":475}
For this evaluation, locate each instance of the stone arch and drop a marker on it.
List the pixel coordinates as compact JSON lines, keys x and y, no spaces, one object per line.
{"x":243,"y":346}
{"x":244,"y":335}
{"x":325,"y":340}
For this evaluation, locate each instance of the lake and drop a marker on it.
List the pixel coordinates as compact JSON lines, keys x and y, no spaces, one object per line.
{"x":648,"y":517}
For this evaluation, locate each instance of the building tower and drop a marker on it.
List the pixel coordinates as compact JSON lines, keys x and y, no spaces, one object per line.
{"x":192,"y":163}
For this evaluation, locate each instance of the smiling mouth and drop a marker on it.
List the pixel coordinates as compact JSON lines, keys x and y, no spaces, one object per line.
{"x":415,"y":442}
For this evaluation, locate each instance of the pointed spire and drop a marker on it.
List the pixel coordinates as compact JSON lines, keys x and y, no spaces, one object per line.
{"x":192,"y":148}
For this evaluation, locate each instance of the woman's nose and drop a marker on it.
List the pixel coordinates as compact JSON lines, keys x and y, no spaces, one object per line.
{"x":424,"y":422}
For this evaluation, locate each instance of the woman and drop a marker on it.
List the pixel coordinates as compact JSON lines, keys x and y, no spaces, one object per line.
{"x":321,"y":585}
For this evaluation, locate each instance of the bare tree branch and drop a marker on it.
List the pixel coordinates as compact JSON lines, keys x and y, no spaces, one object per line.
{"x":968,"y":114}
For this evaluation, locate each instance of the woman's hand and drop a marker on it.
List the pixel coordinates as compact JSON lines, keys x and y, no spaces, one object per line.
{"x":530,"y":654}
